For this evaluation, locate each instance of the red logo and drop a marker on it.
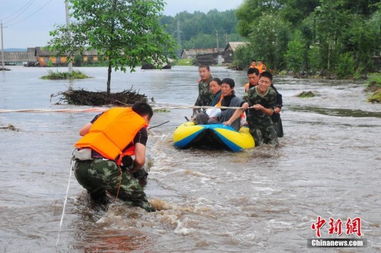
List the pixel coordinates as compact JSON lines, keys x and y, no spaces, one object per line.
{"x":353,"y":226}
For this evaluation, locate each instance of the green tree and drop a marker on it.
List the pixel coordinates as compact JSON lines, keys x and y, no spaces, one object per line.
{"x":194,"y":27}
{"x":252,"y":10}
{"x":243,"y":57}
{"x":295,"y":55}
{"x":125,"y":32}
{"x":269,"y":37}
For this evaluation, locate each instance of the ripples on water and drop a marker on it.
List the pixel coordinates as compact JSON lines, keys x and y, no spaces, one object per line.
{"x":259,"y":200}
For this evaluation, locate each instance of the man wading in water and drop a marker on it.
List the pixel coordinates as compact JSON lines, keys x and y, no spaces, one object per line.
{"x":104,"y":155}
{"x":205,"y":97}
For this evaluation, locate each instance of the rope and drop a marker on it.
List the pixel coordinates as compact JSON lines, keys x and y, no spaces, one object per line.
{"x":102,"y":109}
{"x":65,"y":201}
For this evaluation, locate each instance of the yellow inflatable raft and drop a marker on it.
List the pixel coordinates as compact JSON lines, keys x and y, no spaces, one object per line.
{"x":214,"y":136}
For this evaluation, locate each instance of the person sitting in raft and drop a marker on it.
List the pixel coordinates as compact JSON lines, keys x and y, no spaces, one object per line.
{"x":103,"y":158}
{"x":215,"y":89}
{"x":229,"y":100}
{"x":260,"y":103}
{"x":253,"y":77}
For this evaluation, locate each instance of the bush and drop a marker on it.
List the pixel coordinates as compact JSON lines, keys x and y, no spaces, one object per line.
{"x":242,"y":57}
{"x":64,"y":75}
{"x":295,"y":53}
{"x":345,"y":66}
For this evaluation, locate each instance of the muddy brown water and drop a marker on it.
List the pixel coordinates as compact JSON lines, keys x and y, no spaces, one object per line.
{"x":260,"y":200}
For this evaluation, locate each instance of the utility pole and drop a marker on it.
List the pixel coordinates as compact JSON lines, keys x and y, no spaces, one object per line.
{"x":70,"y":65}
{"x":218,"y":43}
{"x":2,"y":47}
{"x":179,"y":36}
{"x":226,"y":38}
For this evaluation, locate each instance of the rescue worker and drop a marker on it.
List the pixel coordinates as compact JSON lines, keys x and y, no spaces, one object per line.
{"x":261,"y":67}
{"x":253,"y":77}
{"x":204,"y":95}
{"x":253,"y":64}
{"x":277,"y":120}
{"x":111,"y":154}
{"x":261,"y":102}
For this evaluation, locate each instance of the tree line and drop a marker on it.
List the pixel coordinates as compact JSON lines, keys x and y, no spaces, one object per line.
{"x":202,"y":30}
{"x":332,"y":38}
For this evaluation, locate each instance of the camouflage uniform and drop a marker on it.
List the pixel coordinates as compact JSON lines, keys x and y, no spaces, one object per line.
{"x":277,"y":120}
{"x":205,"y":97}
{"x":260,"y":124}
{"x":99,"y":175}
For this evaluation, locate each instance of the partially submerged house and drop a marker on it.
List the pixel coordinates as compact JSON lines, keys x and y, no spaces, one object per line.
{"x":204,"y":56}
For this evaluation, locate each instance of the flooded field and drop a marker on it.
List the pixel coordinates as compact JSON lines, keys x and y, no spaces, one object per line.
{"x":261,"y":200}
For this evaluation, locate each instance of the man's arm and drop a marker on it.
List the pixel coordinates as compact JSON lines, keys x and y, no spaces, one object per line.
{"x":268,"y":111}
{"x":140,"y":157}
{"x":237,"y":114}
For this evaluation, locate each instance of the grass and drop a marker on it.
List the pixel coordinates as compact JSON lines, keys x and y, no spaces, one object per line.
{"x":374,"y":85}
{"x":374,"y":81}
{"x":56,"y":75}
{"x":184,"y":62}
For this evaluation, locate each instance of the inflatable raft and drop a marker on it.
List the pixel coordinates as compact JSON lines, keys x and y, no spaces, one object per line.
{"x":214,"y":136}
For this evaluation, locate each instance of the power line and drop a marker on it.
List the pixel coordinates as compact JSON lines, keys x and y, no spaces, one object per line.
{"x":32,"y":14}
{"x":20,"y":11}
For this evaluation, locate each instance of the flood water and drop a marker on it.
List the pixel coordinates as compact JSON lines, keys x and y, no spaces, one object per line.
{"x":261,"y":200}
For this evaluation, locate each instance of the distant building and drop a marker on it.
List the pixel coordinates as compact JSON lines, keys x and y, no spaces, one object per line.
{"x":193,"y":53}
{"x":20,"y":57}
{"x":46,"y":57}
{"x":230,"y":49}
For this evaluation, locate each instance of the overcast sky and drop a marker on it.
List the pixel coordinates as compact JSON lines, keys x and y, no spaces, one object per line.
{"x":28,"y":22}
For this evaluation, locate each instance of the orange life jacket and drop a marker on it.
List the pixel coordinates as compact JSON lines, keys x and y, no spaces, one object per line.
{"x":261,"y":67}
{"x":112,"y":132}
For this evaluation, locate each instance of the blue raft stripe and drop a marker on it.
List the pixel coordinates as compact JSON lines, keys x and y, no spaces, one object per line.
{"x":232,"y":146}
{"x":184,"y":142}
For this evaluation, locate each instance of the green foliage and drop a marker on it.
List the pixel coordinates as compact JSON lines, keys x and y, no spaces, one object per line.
{"x":375,"y":97}
{"x":49,"y":63}
{"x":329,"y":37}
{"x":295,"y":53}
{"x":78,"y":60}
{"x":243,"y":57}
{"x":374,"y":81}
{"x":269,"y":37}
{"x":199,"y":30}
{"x":184,"y":62}
{"x":126,"y":32}
{"x":313,"y":59}
{"x":345,"y":66}
{"x":64,"y":75}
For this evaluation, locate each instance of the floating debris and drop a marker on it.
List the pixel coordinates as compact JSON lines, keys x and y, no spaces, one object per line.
{"x":9,"y":127}
{"x":307,"y":94}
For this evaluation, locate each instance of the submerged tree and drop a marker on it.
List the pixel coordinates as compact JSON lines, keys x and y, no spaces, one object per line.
{"x":125,"y":32}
